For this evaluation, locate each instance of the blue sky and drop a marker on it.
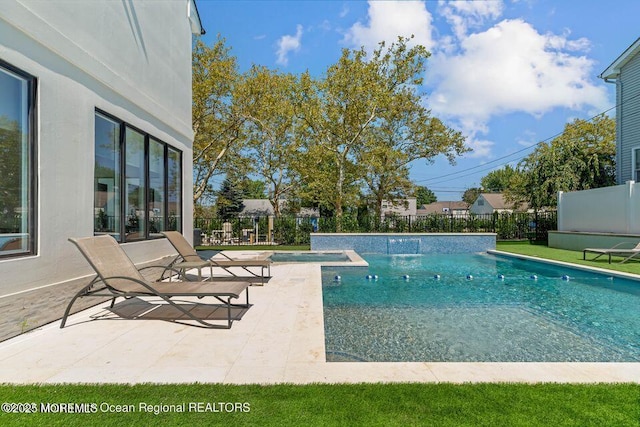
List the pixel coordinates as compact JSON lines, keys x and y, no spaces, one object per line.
{"x":507,"y":73}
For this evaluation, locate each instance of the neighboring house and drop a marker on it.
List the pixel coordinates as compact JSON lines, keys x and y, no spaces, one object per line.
{"x":263,"y":207}
{"x":488,"y":203}
{"x":404,"y":207}
{"x":625,"y":73}
{"x":457,"y":208}
{"x":95,"y":138}
{"x":444,"y":207}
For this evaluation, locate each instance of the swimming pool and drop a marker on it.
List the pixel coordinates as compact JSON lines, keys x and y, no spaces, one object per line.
{"x":477,"y":308}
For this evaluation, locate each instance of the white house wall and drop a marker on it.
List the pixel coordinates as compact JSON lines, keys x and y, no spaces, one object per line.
{"x":628,"y":116}
{"x":131,"y":59}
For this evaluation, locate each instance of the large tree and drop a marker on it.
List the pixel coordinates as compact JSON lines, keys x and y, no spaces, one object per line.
{"x":424,"y":196}
{"x":364,"y":120}
{"x":217,"y":123}
{"x":498,"y":180}
{"x":270,"y":130}
{"x":582,"y":157}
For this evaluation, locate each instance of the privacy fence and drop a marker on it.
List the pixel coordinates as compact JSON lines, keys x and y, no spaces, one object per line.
{"x":291,"y":230}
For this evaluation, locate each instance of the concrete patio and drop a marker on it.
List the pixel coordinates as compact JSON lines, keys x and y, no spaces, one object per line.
{"x":280,"y":339}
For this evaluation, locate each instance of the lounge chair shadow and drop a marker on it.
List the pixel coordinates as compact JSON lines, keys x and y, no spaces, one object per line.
{"x":138,"y":308}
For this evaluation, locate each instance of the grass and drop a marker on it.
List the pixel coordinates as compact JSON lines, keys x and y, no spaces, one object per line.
{"x":574,"y":257}
{"x":347,"y":404}
{"x":339,"y":405}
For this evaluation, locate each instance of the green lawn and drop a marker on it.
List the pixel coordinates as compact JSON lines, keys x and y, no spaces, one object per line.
{"x":334,"y":405}
{"x":575,"y":257}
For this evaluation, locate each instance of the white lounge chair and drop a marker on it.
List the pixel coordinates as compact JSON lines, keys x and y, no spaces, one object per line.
{"x":188,"y":258}
{"x":618,"y":249}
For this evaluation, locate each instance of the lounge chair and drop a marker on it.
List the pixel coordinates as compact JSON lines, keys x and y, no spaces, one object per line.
{"x":615,"y":250}
{"x":188,"y":259}
{"x":117,"y":276}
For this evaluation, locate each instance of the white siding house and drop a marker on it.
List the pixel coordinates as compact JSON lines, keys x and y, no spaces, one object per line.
{"x":625,"y":73}
{"x":95,"y":137}
{"x":488,"y":203}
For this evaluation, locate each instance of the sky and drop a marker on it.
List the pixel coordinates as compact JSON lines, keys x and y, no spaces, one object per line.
{"x":508,"y":74}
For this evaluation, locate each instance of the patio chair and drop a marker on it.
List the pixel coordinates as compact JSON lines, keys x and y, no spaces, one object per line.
{"x":615,"y":250}
{"x":117,"y":276}
{"x":188,"y":258}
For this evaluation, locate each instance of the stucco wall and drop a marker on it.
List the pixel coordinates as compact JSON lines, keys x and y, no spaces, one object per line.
{"x":130,"y":59}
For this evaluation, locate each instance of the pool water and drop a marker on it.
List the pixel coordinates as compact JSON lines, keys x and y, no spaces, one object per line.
{"x":477,"y":308}
{"x":309,"y":257}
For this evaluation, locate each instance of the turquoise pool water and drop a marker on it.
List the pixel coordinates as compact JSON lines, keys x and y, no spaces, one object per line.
{"x":477,"y":307}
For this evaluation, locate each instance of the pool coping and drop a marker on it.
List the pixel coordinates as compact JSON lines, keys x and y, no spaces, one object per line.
{"x":619,"y":274}
{"x":355,"y":260}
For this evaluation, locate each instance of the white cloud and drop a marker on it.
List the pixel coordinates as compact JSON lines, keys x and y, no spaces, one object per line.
{"x":288,"y":44}
{"x":463,"y":15}
{"x":388,"y":20}
{"x":481,"y":147}
{"x":512,"y":68}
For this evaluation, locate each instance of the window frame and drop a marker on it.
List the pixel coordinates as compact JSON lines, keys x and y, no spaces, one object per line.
{"x":635,"y":156}
{"x":145,"y":175}
{"x":32,"y":167}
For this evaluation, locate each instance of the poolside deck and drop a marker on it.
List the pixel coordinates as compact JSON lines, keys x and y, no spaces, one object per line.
{"x":280,"y":339}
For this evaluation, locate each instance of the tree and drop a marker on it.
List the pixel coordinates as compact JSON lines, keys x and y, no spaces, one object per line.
{"x":252,"y":188}
{"x":271,"y":130}
{"x":364,"y":121}
{"x":498,"y":180}
{"x":582,"y":157}
{"x":229,"y":203}
{"x":471,"y":194}
{"x":217,"y":124}
{"x":11,"y":153}
{"x":424,"y":196}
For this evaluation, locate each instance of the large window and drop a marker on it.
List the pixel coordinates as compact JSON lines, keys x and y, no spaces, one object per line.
{"x":138,"y":182}
{"x":17,"y":162}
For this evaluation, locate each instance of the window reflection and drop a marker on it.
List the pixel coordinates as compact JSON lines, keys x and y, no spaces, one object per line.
{"x":16,"y":166}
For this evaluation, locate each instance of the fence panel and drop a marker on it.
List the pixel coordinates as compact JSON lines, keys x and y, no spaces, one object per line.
{"x":291,"y":230}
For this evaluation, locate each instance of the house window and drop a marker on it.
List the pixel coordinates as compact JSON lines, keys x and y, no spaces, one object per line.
{"x":480,"y":202}
{"x":138,"y":179}
{"x":17,"y":164}
{"x":635,"y":166}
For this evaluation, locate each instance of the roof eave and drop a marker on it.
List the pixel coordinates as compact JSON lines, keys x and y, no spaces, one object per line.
{"x":194,"y":19}
{"x":613,"y":71}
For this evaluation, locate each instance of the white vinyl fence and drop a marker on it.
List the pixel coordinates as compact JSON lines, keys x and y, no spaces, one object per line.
{"x":613,"y":209}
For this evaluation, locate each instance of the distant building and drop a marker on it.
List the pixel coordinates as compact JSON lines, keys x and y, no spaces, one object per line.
{"x":488,"y":203}
{"x":263,"y":207}
{"x":446,"y":207}
{"x":404,"y":207}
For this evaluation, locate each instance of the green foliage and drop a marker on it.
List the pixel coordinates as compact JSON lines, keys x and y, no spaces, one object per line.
{"x":424,"y":196}
{"x":471,"y":194}
{"x":10,"y":171}
{"x":499,"y":180}
{"x":582,"y":157}
{"x":217,"y":123}
{"x":267,"y":101}
{"x":229,"y":202}
{"x":365,"y":121}
{"x":252,"y":189}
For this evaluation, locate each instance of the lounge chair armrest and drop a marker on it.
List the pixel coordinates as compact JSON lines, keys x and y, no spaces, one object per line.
{"x":131,"y":279}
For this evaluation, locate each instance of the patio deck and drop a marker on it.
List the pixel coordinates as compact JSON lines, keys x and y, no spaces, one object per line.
{"x":280,"y":339}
